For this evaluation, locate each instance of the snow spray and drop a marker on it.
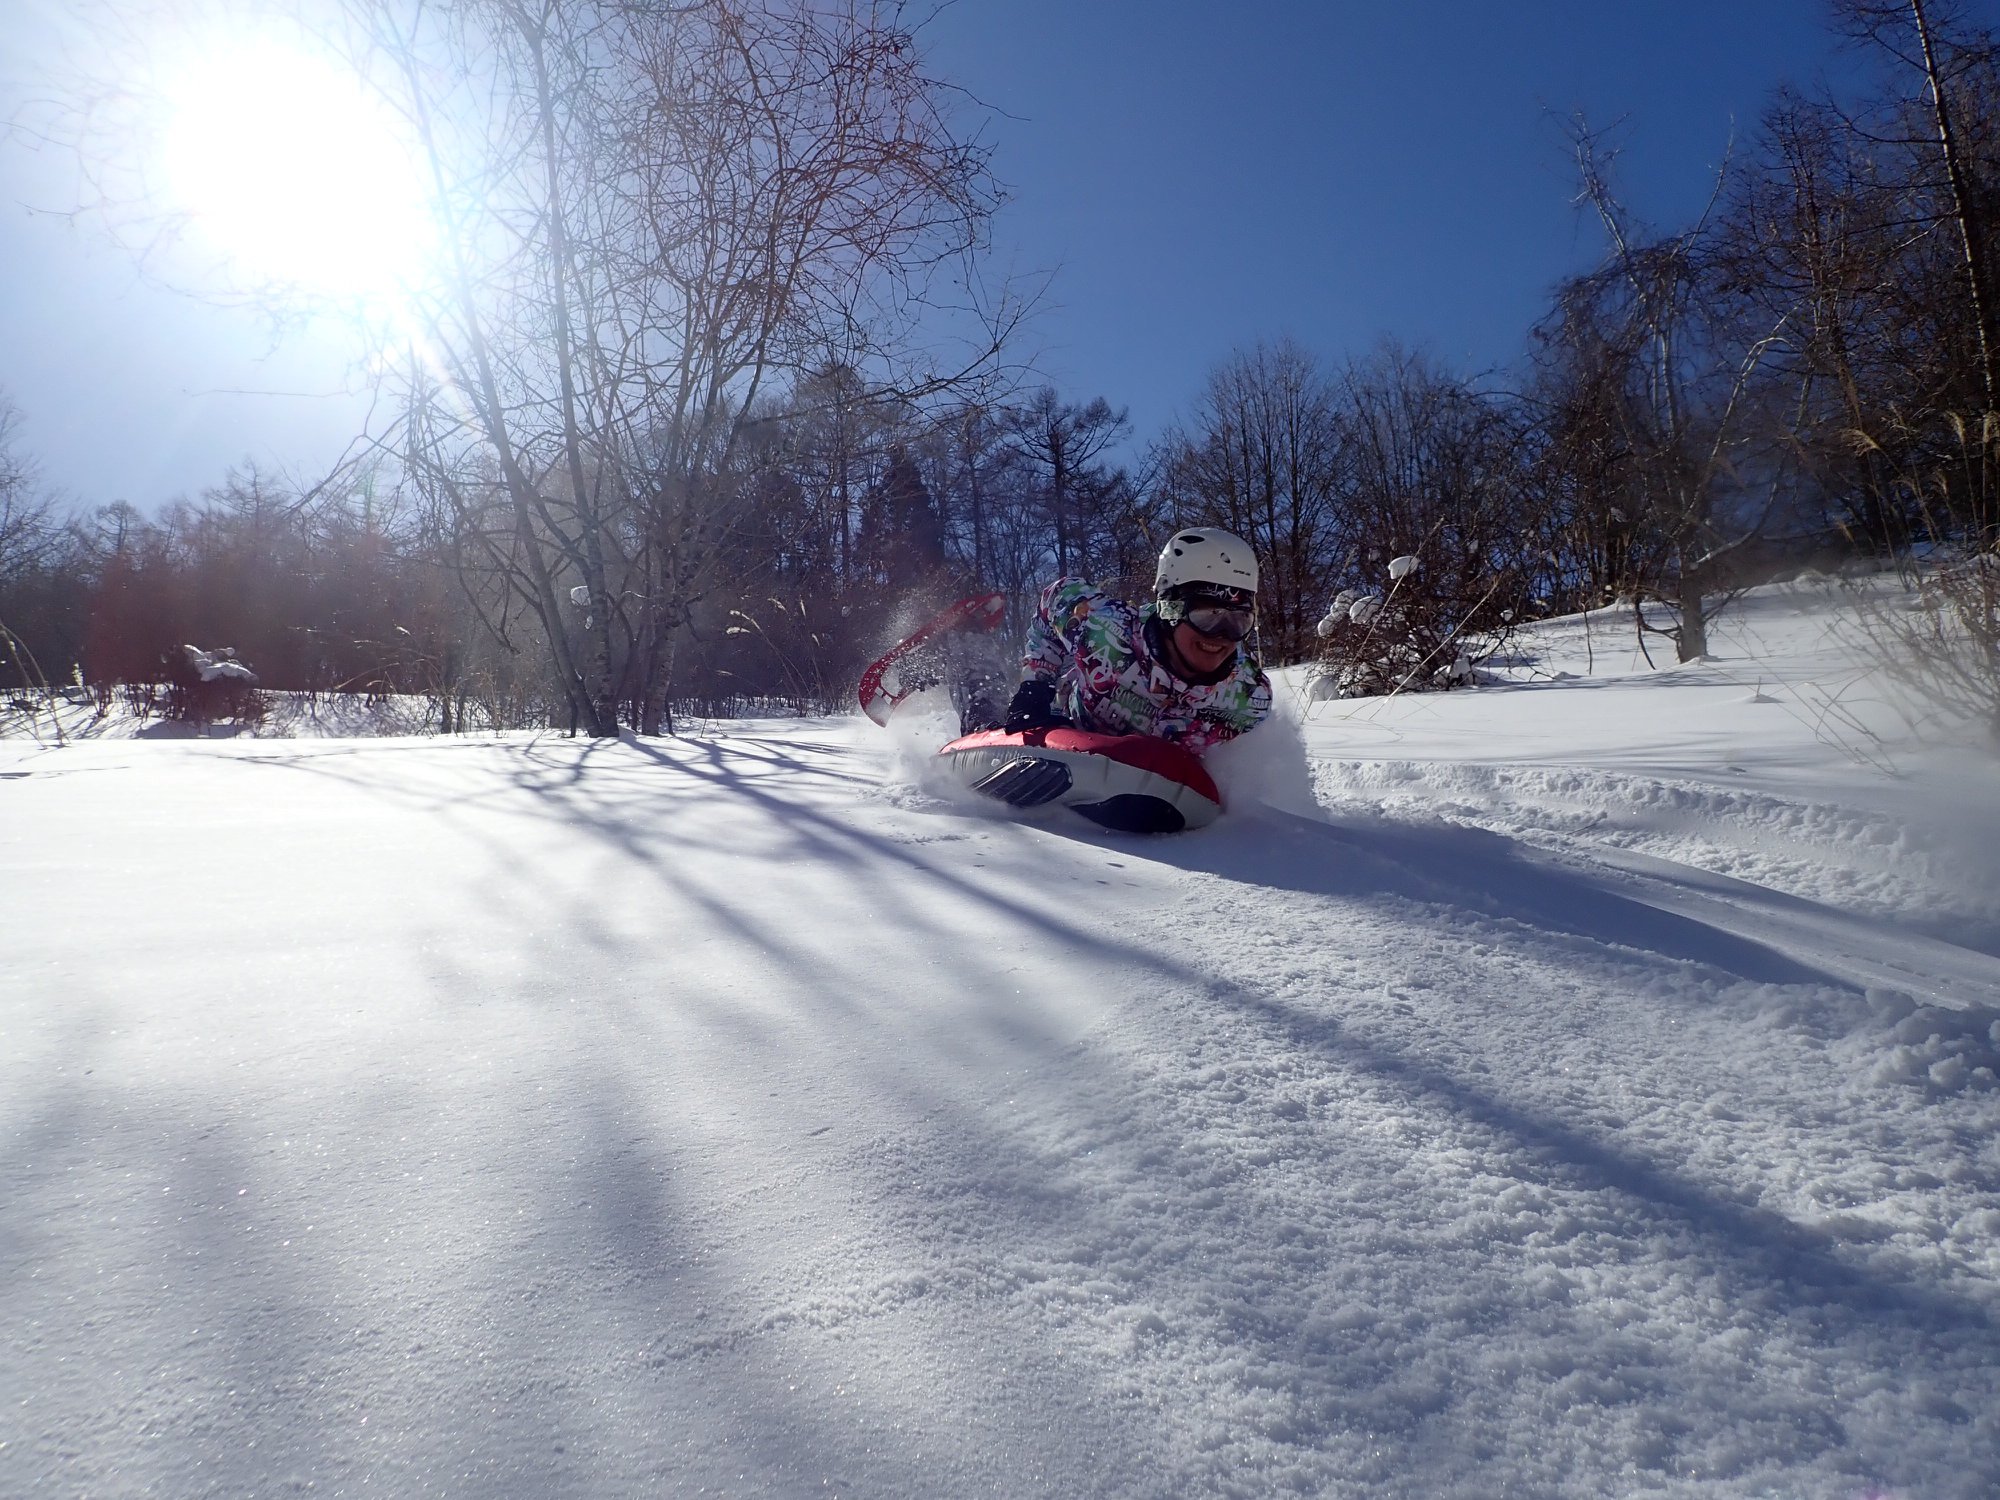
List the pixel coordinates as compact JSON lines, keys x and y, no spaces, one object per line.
{"x":1267,"y":765}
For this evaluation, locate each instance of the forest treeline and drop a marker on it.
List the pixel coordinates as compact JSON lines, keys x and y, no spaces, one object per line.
{"x":684,"y":458}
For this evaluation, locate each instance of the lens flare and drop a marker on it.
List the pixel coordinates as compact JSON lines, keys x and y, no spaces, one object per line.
{"x":290,"y":169}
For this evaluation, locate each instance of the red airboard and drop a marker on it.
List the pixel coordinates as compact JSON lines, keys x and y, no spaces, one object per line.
{"x":1140,"y":751}
{"x":1129,"y":783}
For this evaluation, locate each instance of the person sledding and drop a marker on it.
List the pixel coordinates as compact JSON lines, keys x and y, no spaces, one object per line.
{"x":1183,"y":668}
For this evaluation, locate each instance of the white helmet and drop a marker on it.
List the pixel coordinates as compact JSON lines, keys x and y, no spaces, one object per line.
{"x":1204,"y":554}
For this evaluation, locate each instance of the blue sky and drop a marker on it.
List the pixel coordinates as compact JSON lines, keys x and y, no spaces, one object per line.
{"x":1197,"y":175}
{"x":1209,"y":174}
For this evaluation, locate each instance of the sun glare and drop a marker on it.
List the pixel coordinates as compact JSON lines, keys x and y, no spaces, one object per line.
{"x":289,"y":169}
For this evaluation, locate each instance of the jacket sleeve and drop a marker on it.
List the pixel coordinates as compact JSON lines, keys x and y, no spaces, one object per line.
{"x":1051,"y":642}
{"x":1242,"y":711}
{"x":1258,"y":708}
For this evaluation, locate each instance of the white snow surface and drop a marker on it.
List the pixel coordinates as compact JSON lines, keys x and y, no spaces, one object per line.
{"x":1576,"y":1086}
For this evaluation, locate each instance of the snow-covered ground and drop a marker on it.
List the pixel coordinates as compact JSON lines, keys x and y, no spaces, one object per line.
{"x":1582,"y":1087}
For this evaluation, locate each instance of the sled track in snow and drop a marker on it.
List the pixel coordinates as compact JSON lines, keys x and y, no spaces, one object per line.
{"x":1862,"y":861}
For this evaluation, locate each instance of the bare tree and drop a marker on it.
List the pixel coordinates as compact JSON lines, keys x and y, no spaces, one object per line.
{"x":27,"y":527}
{"x":650,"y":215}
{"x":1063,"y":444}
{"x":993,"y":495}
{"x":687,"y":203}
{"x":1917,"y":34}
{"x":1654,"y":340}
{"x":1260,"y":454}
{"x":30,"y":540}
{"x":1929,"y":150}
{"x":1437,"y":528}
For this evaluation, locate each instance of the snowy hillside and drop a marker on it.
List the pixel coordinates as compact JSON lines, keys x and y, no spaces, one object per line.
{"x":1580,"y":1087}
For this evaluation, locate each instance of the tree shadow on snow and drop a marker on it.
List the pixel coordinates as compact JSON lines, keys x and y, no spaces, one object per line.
{"x":600,"y":1264}
{"x":1747,"y":1242}
{"x":1476,"y":871}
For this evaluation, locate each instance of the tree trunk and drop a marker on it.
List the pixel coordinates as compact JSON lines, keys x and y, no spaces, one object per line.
{"x":653,"y":679}
{"x":1691,"y":639}
{"x":1971,"y":231}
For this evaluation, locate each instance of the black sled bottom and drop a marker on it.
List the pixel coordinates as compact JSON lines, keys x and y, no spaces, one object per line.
{"x":1026,"y":782}
{"x":1030,"y":782}
{"x":1132,"y":812}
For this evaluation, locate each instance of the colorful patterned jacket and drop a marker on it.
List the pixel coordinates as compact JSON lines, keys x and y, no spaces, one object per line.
{"x":1101,"y":654}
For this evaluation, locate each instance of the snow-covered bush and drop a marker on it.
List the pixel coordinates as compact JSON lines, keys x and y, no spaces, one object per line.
{"x":206,"y":686}
{"x":1423,"y":633}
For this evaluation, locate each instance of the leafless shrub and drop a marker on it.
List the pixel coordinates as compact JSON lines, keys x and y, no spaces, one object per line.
{"x":1938,"y":638}
{"x":1420,"y":634}
{"x":208,"y":687}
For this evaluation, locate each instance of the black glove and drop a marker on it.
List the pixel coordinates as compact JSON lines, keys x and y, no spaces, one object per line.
{"x":1033,"y":707}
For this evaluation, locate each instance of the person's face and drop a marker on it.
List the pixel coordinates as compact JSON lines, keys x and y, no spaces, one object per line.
{"x":1205,"y":653}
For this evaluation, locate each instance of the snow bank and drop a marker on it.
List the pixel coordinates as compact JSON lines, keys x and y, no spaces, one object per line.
{"x":1589,"y":1091}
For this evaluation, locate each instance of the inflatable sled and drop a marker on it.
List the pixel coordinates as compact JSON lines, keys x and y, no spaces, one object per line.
{"x":1132,"y":783}
{"x":902,"y":669}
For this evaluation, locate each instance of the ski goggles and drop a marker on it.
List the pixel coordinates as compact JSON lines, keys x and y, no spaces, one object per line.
{"x":1224,"y":622}
{"x":1228,"y":617}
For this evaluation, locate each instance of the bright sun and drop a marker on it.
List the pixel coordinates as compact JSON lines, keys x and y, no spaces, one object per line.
{"x":291,"y":170}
